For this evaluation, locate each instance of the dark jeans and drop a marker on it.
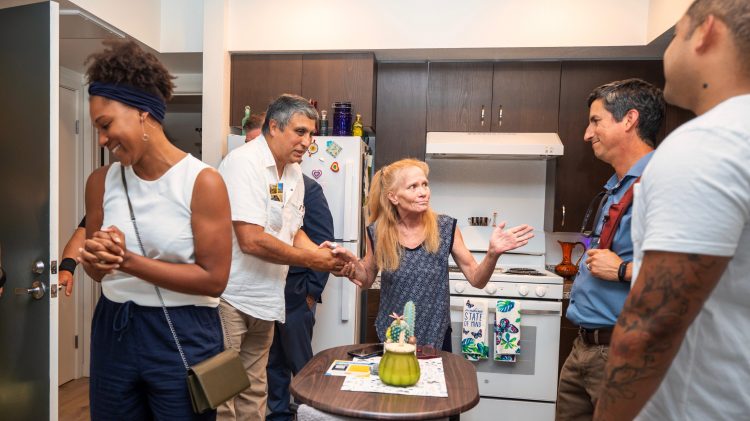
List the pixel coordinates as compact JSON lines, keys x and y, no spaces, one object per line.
{"x":136,"y":370}
{"x":290,"y":351}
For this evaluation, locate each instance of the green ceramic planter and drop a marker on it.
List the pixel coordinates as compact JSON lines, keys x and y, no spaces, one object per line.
{"x":399,"y":365}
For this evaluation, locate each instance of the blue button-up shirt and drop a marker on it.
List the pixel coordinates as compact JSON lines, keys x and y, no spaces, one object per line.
{"x":594,"y":302}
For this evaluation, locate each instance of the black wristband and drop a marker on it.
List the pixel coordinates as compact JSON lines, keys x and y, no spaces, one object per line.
{"x":69,"y":265}
{"x":621,"y":271}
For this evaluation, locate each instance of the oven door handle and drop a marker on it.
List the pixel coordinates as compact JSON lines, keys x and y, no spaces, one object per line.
{"x":527,"y":312}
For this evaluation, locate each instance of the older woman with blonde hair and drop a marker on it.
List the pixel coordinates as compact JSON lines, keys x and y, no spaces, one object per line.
{"x":410,"y":244}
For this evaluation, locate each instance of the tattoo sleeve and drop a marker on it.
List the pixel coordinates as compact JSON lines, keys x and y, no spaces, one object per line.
{"x":667,"y":296}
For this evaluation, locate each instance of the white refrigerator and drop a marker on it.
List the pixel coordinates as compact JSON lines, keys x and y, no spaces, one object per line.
{"x":341,"y":165}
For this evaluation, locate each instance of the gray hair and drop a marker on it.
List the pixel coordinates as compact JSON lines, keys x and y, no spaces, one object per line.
{"x":736,"y":16}
{"x":621,"y":96}
{"x":283,"y":108}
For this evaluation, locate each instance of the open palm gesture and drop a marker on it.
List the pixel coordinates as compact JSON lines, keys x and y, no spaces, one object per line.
{"x":503,"y":240}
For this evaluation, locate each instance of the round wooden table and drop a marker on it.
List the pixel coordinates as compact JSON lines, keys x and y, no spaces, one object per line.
{"x":312,"y":387}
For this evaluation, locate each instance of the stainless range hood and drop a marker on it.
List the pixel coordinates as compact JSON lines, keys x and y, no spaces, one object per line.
{"x":528,"y":146}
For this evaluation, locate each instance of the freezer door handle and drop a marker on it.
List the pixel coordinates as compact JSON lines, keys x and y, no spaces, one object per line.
{"x":344,"y":304}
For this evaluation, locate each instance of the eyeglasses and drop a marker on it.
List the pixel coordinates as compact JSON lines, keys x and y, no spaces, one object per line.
{"x":599,"y":200}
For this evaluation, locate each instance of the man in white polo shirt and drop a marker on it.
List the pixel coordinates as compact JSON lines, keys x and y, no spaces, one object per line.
{"x":266,"y":193}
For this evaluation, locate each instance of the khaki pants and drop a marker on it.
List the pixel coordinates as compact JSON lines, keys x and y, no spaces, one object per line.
{"x":581,"y":381}
{"x":252,"y":338}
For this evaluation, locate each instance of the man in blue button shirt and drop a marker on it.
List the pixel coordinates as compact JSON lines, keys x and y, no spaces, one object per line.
{"x":624,"y":119}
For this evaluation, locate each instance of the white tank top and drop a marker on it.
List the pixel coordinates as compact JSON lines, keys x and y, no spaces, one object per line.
{"x":162,"y":212}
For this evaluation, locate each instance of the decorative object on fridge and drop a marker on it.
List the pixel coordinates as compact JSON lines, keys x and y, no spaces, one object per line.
{"x":357,"y":128}
{"x":342,"y":118}
{"x":245,"y":118}
{"x":507,"y":330}
{"x":323,"y":130}
{"x":566,"y":268}
{"x":316,"y":174}
{"x":313,"y":149}
{"x":335,"y":166}
{"x":399,"y":365}
{"x":333,"y":148}
{"x":474,"y":331}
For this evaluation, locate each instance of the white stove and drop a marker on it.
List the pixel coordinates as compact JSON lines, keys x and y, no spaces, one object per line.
{"x":516,"y":192}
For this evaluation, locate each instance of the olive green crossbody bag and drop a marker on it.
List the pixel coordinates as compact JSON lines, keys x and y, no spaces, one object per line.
{"x":215,"y":380}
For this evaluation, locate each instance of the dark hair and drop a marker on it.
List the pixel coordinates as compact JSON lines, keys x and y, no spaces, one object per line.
{"x":124,"y":62}
{"x":621,"y":96}
{"x":255,"y":121}
{"x":736,"y":16}
{"x":284,"y":107}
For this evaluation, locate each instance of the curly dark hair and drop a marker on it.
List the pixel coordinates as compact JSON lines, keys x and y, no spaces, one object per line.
{"x":124,"y":62}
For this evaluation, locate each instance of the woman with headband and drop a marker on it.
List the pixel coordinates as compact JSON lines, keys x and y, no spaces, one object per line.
{"x":159,"y":235}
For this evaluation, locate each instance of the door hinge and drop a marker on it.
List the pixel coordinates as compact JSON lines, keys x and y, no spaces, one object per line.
{"x":76,"y":341}
{"x":77,"y":126}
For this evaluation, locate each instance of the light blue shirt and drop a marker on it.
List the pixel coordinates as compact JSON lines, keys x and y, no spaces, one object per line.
{"x":596,"y":303}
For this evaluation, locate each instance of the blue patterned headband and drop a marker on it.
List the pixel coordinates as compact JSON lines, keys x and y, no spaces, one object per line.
{"x":137,"y":98}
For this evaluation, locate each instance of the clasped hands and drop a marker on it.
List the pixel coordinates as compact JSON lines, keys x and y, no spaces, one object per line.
{"x":105,"y":251}
{"x":347,"y":264}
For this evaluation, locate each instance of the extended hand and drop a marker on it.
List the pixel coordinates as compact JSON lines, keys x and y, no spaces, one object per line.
{"x":510,"y":239}
{"x":603,"y":264}
{"x":65,"y":278}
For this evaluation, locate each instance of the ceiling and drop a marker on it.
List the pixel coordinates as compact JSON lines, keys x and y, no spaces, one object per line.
{"x":82,"y":34}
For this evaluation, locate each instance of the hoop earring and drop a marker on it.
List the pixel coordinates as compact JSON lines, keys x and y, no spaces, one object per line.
{"x":143,"y":130}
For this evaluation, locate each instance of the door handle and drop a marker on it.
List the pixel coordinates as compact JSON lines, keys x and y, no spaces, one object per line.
{"x":37,"y":290}
{"x":481,"y":117}
{"x":500,"y":116}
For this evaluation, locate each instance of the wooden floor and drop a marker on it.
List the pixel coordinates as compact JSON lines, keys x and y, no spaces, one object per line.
{"x":74,"y":400}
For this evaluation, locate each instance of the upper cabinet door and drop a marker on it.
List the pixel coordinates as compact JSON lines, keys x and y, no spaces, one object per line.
{"x":328,"y":78}
{"x":459,"y":97}
{"x":258,"y":79}
{"x":525,"y":97}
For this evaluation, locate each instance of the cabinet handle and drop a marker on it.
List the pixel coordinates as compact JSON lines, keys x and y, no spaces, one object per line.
{"x":562,"y":223}
{"x":500,"y":116}
{"x":482,"y":117}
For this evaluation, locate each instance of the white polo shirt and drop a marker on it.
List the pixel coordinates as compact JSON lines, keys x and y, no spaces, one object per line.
{"x":258,"y":196}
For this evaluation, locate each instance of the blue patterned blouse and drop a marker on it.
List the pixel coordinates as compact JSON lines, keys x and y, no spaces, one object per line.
{"x":422,"y":277}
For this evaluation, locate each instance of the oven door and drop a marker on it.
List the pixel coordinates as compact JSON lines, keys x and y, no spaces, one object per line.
{"x":534,"y":374}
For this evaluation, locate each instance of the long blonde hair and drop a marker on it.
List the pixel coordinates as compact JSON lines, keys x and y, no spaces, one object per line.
{"x":389,"y":251}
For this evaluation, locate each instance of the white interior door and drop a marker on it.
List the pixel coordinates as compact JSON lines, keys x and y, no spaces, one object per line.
{"x":29,"y":114}
{"x":69,"y":355}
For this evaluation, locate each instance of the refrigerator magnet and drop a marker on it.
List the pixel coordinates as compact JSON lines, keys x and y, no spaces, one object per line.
{"x":335,"y":166}
{"x":333,"y":148}
{"x":316,"y":174}
{"x":313,"y":149}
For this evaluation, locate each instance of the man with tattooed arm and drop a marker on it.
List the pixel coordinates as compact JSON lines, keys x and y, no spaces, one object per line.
{"x":680,"y":346}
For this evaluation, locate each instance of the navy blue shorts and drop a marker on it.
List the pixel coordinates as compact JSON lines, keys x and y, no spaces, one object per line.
{"x":136,"y":370}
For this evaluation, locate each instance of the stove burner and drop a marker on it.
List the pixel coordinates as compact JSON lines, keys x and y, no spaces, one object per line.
{"x":523,"y":271}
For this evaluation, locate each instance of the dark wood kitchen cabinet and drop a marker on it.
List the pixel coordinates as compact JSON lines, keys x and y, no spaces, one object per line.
{"x":579,"y":174}
{"x":257,"y":79}
{"x":327,"y":78}
{"x":459,"y":97}
{"x":401,"y":111}
{"x":525,"y":97}
{"x":497,"y":97}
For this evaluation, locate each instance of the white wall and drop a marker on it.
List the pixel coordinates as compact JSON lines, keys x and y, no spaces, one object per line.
{"x":216,"y":68}
{"x":181,"y":26}
{"x":289,"y":25}
{"x":140,"y":19}
{"x":662,"y":14}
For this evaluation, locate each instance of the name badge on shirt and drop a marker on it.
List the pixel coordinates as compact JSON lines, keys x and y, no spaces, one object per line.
{"x":277,"y":192}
